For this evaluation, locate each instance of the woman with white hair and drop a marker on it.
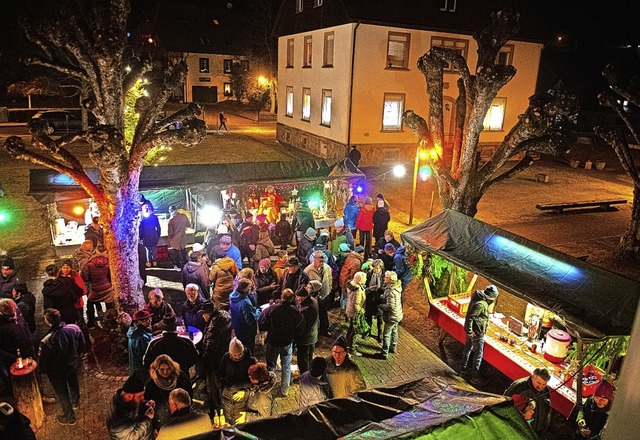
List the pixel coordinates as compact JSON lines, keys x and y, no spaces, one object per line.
{"x":355,"y":311}
{"x":391,"y":313}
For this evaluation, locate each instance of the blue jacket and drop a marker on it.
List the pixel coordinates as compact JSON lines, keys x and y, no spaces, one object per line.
{"x":401,"y":267}
{"x":139,"y":338}
{"x":350,"y":214}
{"x":244,"y":317}
{"x":234,"y":254}
{"x":150,"y":230}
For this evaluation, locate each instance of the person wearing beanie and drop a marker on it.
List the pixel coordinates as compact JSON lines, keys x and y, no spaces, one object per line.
{"x":475,"y":326}
{"x":302,"y":220}
{"x":129,"y":416}
{"x":305,"y":246}
{"x":233,"y":374}
{"x":182,"y":350}
{"x":294,"y":277}
{"x":283,"y":322}
{"x":391,"y":313}
{"x":534,"y":389}
{"x":314,"y":387}
{"x":343,"y":375}
{"x":267,"y":283}
{"x":306,"y":340}
{"x":594,"y":413}
{"x":343,"y":235}
{"x":8,"y":277}
{"x":355,"y":311}
{"x":138,"y":336}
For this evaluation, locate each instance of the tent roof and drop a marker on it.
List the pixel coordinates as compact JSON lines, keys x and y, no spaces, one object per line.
{"x":594,"y":302}
{"x":53,"y":186}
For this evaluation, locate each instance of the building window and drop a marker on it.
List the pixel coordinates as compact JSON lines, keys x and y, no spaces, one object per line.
{"x":299,"y":5}
{"x":244,"y":65}
{"x":505,"y":56}
{"x":289,"y":110}
{"x":392,"y":111}
{"x":449,"y":5}
{"x":227,"y":89}
{"x":398,"y":50}
{"x":326,"y":108}
{"x":494,"y":119}
{"x":204,"y":65}
{"x":290,"y":52}
{"x":227,"y":65}
{"x":327,"y":58}
{"x":308,"y":51}
{"x":460,"y":46}
{"x":317,"y":3}
{"x":306,"y":104}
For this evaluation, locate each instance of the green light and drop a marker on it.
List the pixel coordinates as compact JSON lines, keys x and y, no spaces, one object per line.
{"x":3,"y":217}
{"x":313,"y":204}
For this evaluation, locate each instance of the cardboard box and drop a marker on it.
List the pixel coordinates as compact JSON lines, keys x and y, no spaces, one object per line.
{"x":591,"y":376}
{"x":459,"y":302}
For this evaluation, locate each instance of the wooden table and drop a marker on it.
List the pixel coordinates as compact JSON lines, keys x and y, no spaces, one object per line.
{"x":514,"y":362}
{"x":27,"y":392}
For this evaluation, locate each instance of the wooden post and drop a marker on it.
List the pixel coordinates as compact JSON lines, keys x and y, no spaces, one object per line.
{"x":27,"y":394}
{"x":578,"y":381}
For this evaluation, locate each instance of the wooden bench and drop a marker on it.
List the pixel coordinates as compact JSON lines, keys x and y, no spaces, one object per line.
{"x":605,"y":205}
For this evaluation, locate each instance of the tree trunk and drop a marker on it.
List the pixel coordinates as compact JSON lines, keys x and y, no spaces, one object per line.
{"x":629,"y":242}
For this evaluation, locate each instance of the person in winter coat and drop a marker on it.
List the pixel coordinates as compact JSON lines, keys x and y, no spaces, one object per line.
{"x":177,"y":348}
{"x":14,"y":334}
{"x":321,"y":271}
{"x":61,"y":294}
{"x":307,"y":338}
{"x":191,"y":307}
{"x":364,"y":223}
{"x":215,"y":343}
{"x":280,"y":266}
{"x":67,"y":271}
{"x":391,"y":313}
{"x":294,"y":277}
{"x":14,"y":424}
{"x":355,"y":311}
{"x":343,"y":235}
{"x":26,"y":303}
{"x":381,"y":219}
{"x":302,"y":221}
{"x":8,"y":276}
{"x":58,"y":358}
{"x":350,"y":212}
{"x":475,"y":326}
{"x":594,"y":413}
{"x":82,"y":255}
{"x":305,"y":245}
{"x":150,"y":234}
{"x":94,"y":232}
{"x":130,"y":416}
{"x":344,"y":375}
{"x":177,"y":234}
{"x":400,"y":264}
{"x":195,"y":272}
{"x":534,"y":389}
{"x":233,"y":373}
{"x":380,"y":246}
{"x":283,"y":232}
{"x":314,"y":387}
{"x":221,"y":276}
{"x":244,"y":314}
{"x":264,"y":248}
{"x":138,"y":336}
{"x":351,"y":265}
{"x":266,"y":282}
{"x":184,"y":421}
{"x":374,"y":296}
{"x":249,"y":235}
{"x":166,"y":376}
{"x":98,"y":274}
{"x":158,"y":308}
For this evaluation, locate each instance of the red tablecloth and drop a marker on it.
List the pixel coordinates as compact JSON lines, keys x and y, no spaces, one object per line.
{"x":502,"y":358}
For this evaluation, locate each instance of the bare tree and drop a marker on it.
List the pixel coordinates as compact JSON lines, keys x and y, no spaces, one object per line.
{"x":86,"y":40}
{"x":462,"y":183}
{"x":629,"y":90}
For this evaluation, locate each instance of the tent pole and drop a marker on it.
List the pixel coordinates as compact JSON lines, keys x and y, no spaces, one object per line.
{"x":578,"y":381}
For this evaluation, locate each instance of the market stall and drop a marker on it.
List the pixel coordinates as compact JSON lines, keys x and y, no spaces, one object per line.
{"x":590,"y":303}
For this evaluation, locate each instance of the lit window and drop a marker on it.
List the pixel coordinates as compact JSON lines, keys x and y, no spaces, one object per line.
{"x":289,"y":101}
{"x":299,"y":5}
{"x":392,"y":111}
{"x":308,"y":51}
{"x":326,"y":108}
{"x":317,"y":3}
{"x":327,"y":60}
{"x":306,"y":104}
{"x":204,"y":65}
{"x":494,"y":119}
{"x":505,"y":56}
{"x":290,"y":52}
{"x":398,"y":50}
{"x":227,"y":89}
{"x":227,"y":65}
{"x":460,"y":46}
{"x":449,"y":5}
{"x":244,"y":65}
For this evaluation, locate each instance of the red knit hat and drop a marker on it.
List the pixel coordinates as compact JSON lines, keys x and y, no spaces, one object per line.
{"x":605,"y":390}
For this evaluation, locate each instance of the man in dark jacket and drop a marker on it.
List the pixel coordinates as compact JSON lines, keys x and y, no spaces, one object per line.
{"x":139,"y":335}
{"x":8,"y":277}
{"x":191,"y":307}
{"x":58,"y":357}
{"x":128,"y":418}
{"x":61,"y":293}
{"x":149,"y":234}
{"x":475,"y":326}
{"x":158,"y":308}
{"x":267,"y":284}
{"x":184,"y":422}
{"x":306,"y":340}
{"x":302,"y":221}
{"x":283,"y":323}
{"x":178,"y":348}
{"x":233,"y":373}
{"x":294,"y":277}
{"x":534,"y":388}
{"x":283,"y":232}
{"x":305,"y":246}
{"x":26,"y":302}
{"x":215,"y":343}
{"x":196,"y":272}
{"x":248,"y":239}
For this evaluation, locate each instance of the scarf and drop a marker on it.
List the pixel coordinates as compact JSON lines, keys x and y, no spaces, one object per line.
{"x":166,"y":384}
{"x":376,"y":281}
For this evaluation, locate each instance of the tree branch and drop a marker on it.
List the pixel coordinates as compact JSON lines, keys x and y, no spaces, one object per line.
{"x":619,"y":144}
{"x":605,"y":99}
{"x":614,"y":79}
{"x":522,"y":165}
{"x":504,"y":25}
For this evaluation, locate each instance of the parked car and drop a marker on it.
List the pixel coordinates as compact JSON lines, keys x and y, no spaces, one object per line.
{"x":62,"y":121}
